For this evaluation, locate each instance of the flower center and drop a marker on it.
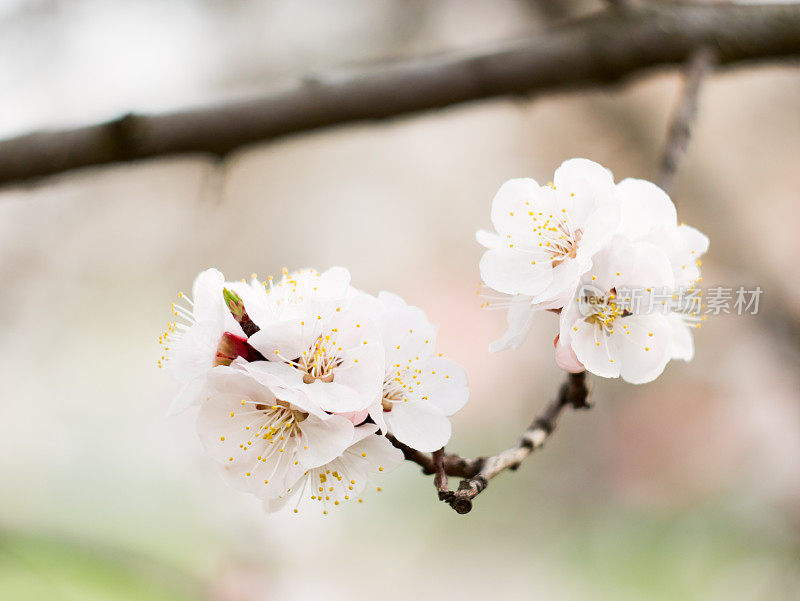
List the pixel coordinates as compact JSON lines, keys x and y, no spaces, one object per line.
{"x":278,"y":421}
{"x":603,"y":311}
{"x":396,"y":389}
{"x":556,"y":236}
{"x":320,"y":360}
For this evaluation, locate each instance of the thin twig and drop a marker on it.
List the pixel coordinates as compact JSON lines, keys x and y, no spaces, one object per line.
{"x":439,"y":475}
{"x":454,"y":465}
{"x":600,"y":49}
{"x":700,"y":64}
{"x":477,"y":473}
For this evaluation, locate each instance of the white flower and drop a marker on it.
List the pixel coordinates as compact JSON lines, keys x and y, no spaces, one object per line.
{"x":330,"y":351}
{"x":345,"y":477}
{"x":420,"y":388}
{"x":648,"y":214}
{"x":210,"y":336}
{"x":611,"y":338}
{"x":269,"y":301}
{"x":545,"y":239}
{"x":262,"y":434}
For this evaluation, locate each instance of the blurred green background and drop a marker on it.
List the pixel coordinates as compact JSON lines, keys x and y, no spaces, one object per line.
{"x":684,"y":489}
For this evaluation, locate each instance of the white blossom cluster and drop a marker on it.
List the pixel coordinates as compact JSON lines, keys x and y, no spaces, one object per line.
{"x":298,"y":381}
{"x":571,"y":246}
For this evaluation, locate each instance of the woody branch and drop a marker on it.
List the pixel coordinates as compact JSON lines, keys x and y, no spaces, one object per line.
{"x":601,"y":49}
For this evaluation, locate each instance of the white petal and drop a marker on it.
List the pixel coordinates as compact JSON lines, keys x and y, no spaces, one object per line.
{"x":682,"y":344}
{"x":325,"y":439}
{"x":336,"y":398}
{"x":381,"y":455}
{"x":488,"y":239}
{"x":389,"y":301}
{"x":333,"y":284}
{"x":519,"y":318}
{"x":193,"y":355}
{"x":593,"y":350}
{"x":599,"y":227}
{"x":362,"y":370}
{"x":376,"y":414}
{"x":444,"y":383}
{"x":405,"y":331}
{"x":565,"y":280}
{"x":284,"y":339}
{"x":645,"y":206}
{"x":642,"y":265}
{"x":642,"y":348}
{"x":284,"y":380}
{"x":511,"y":204}
{"x":583,"y":185}
{"x":695,"y":241}
{"x":421,"y":425}
{"x":188,"y":396}
{"x":574,"y":170}
{"x":515,"y":272}
{"x":207,"y":296}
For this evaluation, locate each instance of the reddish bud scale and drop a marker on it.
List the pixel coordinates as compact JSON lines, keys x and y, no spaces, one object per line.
{"x":232,"y":346}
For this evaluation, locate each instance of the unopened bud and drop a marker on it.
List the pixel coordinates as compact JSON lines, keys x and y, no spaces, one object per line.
{"x":234,"y":303}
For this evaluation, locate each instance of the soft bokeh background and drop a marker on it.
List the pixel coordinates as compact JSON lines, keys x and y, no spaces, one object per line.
{"x":687,"y":488}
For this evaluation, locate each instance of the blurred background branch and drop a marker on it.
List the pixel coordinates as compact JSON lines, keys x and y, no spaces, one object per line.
{"x":700,"y":64}
{"x":600,"y":49}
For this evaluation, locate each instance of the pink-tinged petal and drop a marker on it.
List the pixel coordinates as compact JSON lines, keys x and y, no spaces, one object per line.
{"x":356,"y":417}
{"x":645,"y":207}
{"x":515,"y":272}
{"x":421,"y":425}
{"x":324,"y":439}
{"x":566,"y":358}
